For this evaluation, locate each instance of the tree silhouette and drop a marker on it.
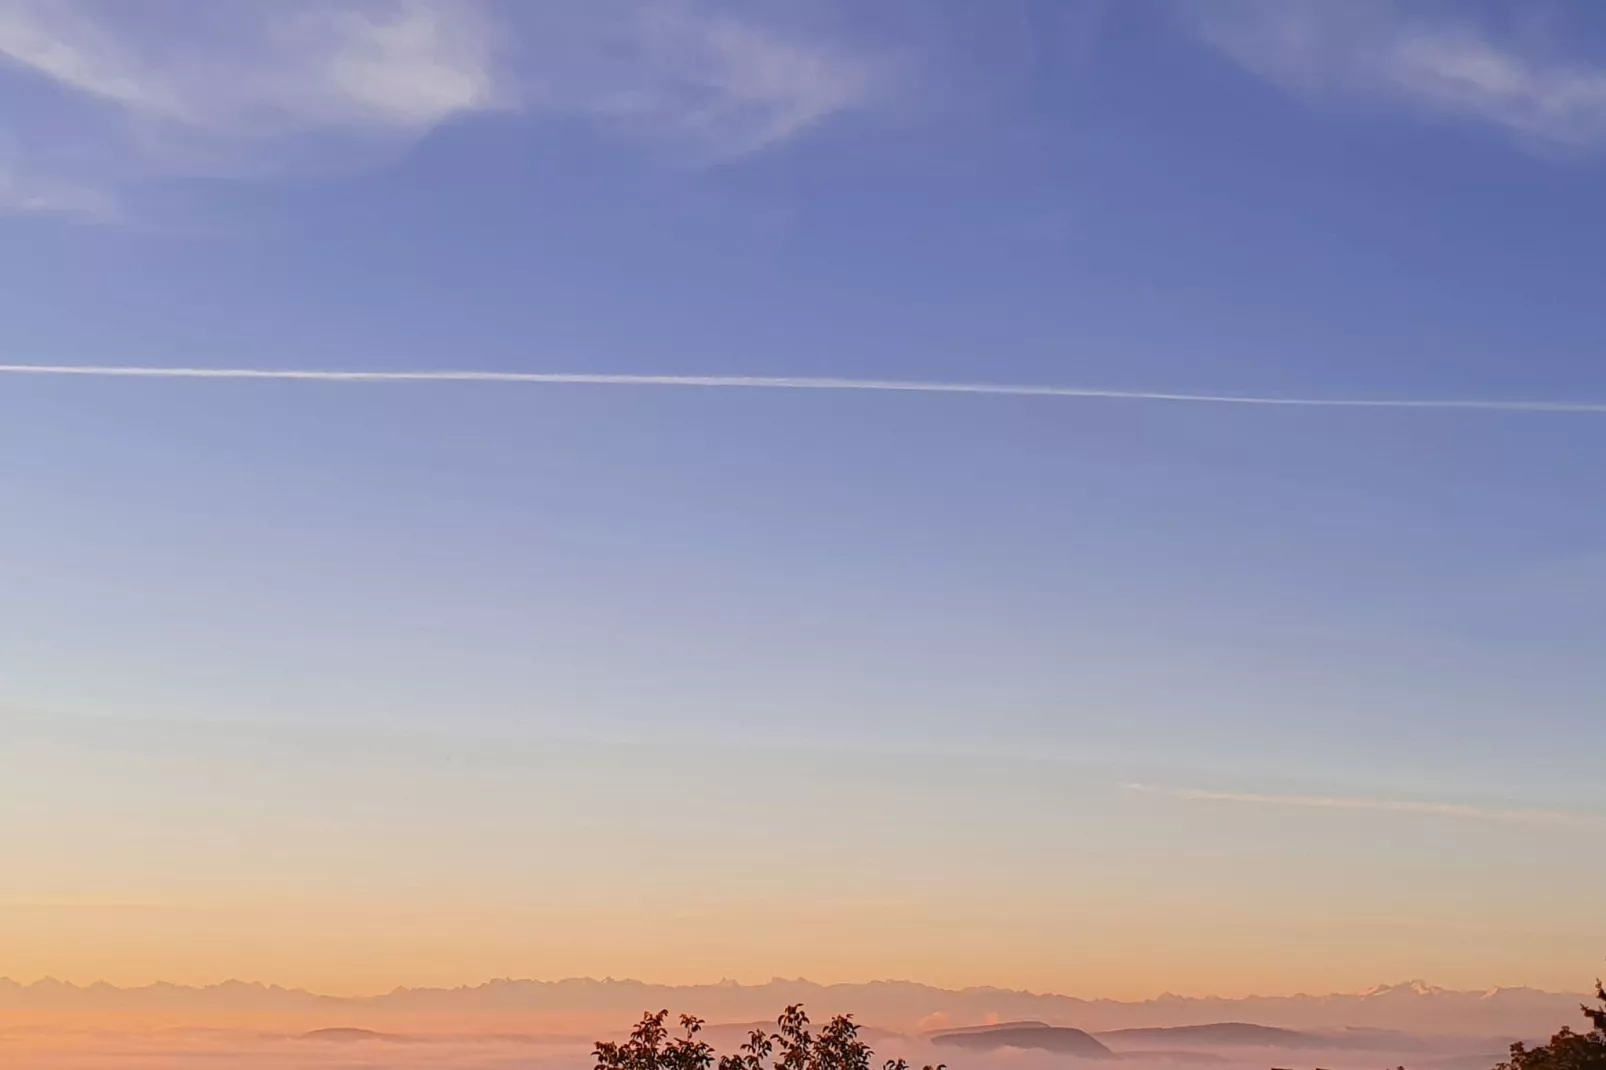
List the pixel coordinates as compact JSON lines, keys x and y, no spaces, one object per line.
{"x":650,"y":1047}
{"x":1567,"y":1050}
{"x":792,"y":1047}
{"x":1598,"y":1014}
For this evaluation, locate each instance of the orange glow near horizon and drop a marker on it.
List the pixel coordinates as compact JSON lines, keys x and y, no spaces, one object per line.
{"x":359,"y":951}
{"x":435,"y":864}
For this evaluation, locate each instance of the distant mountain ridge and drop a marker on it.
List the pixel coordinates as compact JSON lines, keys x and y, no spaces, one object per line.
{"x":902,"y":1006}
{"x":1247,"y":1035}
{"x":347,"y":1035}
{"x":1233,"y":1034}
{"x":1060,"y":1039}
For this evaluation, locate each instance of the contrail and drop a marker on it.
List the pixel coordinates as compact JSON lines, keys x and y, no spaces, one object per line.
{"x":767,"y":382}
{"x":1402,"y":806}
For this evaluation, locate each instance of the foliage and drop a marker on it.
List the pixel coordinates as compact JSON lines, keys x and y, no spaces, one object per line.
{"x":791,"y":1047}
{"x":1598,"y":1014}
{"x":650,"y":1047}
{"x":1567,"y":1050}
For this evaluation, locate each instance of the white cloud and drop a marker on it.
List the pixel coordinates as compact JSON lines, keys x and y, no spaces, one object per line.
{"x":1397,"y":806}
{"x":183,"y":90}
{"x":272,"y":70}
{"x":415,"y":68}
{"x":734,"y":87}
{"x":227,"y":87}
{"x":1435,"y":61}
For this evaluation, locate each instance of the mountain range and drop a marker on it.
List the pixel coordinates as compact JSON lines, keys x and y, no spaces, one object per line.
{"x":585,"y":1007}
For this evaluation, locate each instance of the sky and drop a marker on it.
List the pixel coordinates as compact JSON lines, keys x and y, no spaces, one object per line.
{"x":355,"y":684}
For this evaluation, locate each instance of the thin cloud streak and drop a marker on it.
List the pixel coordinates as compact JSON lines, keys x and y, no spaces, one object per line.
{"x":91,"y":903}
{"x":1397,"y":806}
{"x":768,"y":382}
{"x":1524,"y":80}
{"x":254,"y":91}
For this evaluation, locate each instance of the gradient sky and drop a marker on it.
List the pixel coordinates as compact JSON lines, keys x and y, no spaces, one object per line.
{"x":356,"y":685}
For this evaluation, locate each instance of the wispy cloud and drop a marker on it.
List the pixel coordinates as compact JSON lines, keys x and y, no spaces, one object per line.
{"x":723,"y":85}
{"x":275,"y":69}
{"x":1398,"y":806}
{"x":1437,"y":62}
{"x":223,"y":87}
{"x":22,"y":192}
{"x":93,"y":903}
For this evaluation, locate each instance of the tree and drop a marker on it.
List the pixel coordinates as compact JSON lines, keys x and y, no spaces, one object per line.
{"x":651,"y":1048}
{"x":792,"y":1047}
{"x":1567,"y":1050}
{"x":1597,"y":1014}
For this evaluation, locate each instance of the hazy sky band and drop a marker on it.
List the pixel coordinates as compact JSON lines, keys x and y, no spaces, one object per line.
{"x":764,"y":382}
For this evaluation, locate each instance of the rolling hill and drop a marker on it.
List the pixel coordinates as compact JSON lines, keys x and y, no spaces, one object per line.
{"x":1062,"y":1040}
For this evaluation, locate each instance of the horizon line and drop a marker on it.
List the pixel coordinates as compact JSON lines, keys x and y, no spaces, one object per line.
{"x":765,"y":382}
{"x":1416,"y":984}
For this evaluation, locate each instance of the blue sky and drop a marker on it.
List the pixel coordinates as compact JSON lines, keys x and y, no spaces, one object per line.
{"x":1285,"y":607}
